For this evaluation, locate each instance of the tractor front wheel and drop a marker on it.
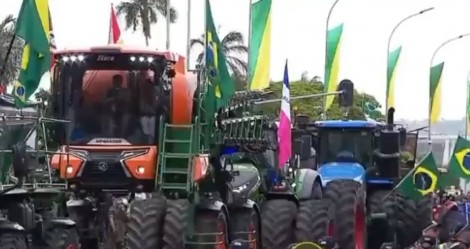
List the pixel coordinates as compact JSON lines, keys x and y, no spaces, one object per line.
{"x":145,"y":225}
{"x":174,"y":228}
{"x":62,"y":238}
{"x":277,"y":222}
{"x":245,"y":225}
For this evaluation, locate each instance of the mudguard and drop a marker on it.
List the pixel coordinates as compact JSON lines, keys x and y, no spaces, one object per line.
{"x":62,"y":222}
{"x":304,"y":181}
{"x":215,"y":205}
{"x":6,"y":225}
{"x":341,"y":171}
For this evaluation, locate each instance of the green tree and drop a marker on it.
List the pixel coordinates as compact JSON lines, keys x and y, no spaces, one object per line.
{"x":143,"y":13}
{"x":313,"y":106}
{"x":13,"y":61}
{"x":235,"y":51}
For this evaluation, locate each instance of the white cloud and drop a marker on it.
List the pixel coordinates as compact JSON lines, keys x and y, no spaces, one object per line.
{"x":298,"y":34}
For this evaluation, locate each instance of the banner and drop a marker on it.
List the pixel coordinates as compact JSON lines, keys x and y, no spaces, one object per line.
{"x":392,"y":62}
{"x":332,"y":62}
{"x":435,"y":92}
{"x":260,"y":44}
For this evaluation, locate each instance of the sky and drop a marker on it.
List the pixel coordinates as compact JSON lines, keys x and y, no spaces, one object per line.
{"x":298,"y":34}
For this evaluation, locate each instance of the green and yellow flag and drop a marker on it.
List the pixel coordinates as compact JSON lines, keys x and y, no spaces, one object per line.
{"x":459,"y":165}
{"x":422,"y":180}
{"x":260,"y":44}
{"x":332,"y":62}
{"x":221,"y":83}
{"x":435,"y":92}
{"x":392,"y":62}
{"x":33,"y":27}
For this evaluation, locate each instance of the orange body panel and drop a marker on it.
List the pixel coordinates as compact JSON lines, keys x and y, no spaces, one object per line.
{"x":200,"y":167}
{"x":146,"y":159}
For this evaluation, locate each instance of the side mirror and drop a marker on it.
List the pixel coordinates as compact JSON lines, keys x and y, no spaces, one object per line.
{"x":346,"y":97}
{"x":20,"y":160}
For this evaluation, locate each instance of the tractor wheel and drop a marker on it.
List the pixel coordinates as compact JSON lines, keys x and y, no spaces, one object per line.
{"x":349,"y":223}
{"x":211,"y":230}
{"x":245,"y":225}
{"x":174,"y":228}
{"x":13,"y":240}
{"x":277,"y":223}
{"x":409,"y":231}
{"x":145,"y":225}
{"x":62,"y":238}
{"x":313,"y":220}
{"x":378,"y":232}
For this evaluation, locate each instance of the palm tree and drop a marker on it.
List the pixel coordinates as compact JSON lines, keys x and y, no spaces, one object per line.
{"x":234,"y":49}
{"x":7,"y":32}
{"x":143,"y":13}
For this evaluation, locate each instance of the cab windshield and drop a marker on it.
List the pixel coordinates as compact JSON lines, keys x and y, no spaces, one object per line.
{"x":115,"y":104}
{"x":351,"y":145}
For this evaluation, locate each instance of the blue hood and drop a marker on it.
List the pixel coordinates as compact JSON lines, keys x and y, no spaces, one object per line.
{"x":338,"y":171}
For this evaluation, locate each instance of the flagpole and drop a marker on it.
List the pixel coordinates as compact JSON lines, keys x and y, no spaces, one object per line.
{"x":168,"y":22}
{"x":430,"y":68}
{"x":248,"y":81}
{"x":4,"y":66}
{"x":188,"y":38}
{"x":466,"y":106}
{"x":110,"y":24}
{"x":326,"y":55}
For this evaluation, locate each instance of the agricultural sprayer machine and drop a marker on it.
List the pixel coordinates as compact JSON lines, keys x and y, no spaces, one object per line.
{"x":32,"y":213}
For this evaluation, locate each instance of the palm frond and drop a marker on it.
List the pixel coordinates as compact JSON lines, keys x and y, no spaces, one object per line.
{"x":130,"y":10}
{"x":7,"y":21}
{"x":236,"y":49}
{"x":238,"y":65}
{"x":194,"y":42}
{"x":232,"y":38}
{"x":161,"y":6}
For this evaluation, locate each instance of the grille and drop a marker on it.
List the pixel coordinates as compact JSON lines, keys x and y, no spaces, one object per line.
{"x":104,"y":169}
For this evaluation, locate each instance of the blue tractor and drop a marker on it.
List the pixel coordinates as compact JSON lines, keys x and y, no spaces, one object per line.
{"x":359,"y":165}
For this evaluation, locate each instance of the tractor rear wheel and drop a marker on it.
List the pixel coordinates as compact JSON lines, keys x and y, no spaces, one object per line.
{"x":277,"y":223}
{"x":62,"y":238}
{"x":349,"y":224}
{"x":174,"y":228}
{"x":245,"y":225}
{"x":13,"y":240}
{"x":145,"y":225}
{"x":322,"y":220}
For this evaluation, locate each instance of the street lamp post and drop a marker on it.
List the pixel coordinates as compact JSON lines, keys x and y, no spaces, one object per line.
{"x":390,"y":41}
{"x":466,"y":105}
{"x":326,"y":53}
{"x":430,"y":68}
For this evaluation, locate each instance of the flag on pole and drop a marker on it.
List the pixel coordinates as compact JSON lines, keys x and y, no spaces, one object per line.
{"x":216,"y":63}
{"x":392,"y":63}
{"x":435,"y":92}
{"x":114,"y":30}
{"x":333,"y":50}
{"x":33,"y":26}
{"x":260,"y":44}
{"x":459,"y":165}
{"x":284,"y":129}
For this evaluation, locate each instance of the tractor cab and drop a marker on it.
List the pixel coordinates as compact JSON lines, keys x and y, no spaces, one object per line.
{"x":113,"y":97}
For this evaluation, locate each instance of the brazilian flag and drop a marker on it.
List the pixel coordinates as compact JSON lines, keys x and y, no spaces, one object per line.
{"x":459,"y":165}
{"x":221,"y":83}
{"x":33,"y":27}
{"x":422,"y":180}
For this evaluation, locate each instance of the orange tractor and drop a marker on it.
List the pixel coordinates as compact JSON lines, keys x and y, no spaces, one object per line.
{"x":117,"y":100}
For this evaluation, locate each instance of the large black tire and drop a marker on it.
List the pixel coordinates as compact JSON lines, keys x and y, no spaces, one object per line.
{"x":211,"y":230}
{"x":13,"y":240}
{"x":145,"y":225}
{"x":423,"y":213}
{"x":62,"y":238}
{"x":277,"y":223}
{"x":313,"y":220}
{"x":398,"y":209}
{"x":174,"y":228}
{"x":245,"y":225}
{"x":347,"y":197}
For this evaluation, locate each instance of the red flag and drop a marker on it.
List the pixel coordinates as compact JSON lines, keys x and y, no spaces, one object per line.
{"x":114,"y":30}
